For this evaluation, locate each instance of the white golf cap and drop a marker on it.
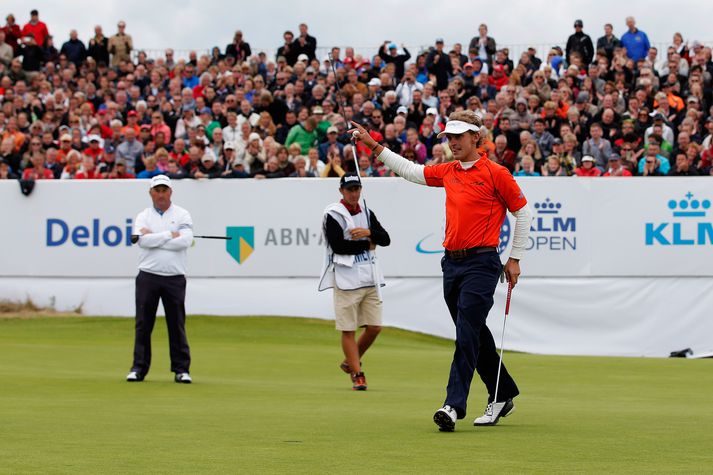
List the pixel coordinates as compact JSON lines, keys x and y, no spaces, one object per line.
{"x":303,"y":57}
{"x":458,"y":127}
{"x":587,"y":158}
{"x":402,"y":110}
{"x":431,"y":110}
{"x":374,"y":82}
{"x":229,"y":145}
{"x":160,"y":180}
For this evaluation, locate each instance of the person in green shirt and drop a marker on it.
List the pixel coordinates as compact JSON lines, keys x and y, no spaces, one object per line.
{"x":303,"y":134}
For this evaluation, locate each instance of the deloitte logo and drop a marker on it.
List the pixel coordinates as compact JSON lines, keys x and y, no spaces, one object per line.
{"x":684,"y":231}
{"x":242,"y":242}
{"x":551,"y":229}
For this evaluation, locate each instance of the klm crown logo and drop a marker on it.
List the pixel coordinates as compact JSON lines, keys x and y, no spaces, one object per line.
{"x":682,"y":232}
{"x":548,"y":207}
{"x":695,"y":207}
{"x":242,"y":242}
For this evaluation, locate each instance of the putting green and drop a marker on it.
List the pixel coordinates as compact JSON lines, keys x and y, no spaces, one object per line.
{"x":269,"y":397}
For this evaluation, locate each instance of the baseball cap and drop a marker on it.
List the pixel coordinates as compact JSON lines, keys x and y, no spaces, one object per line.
{"x":160,"y":180}
{"x":208,"y":156}
{"x":587,"y":158}
{"x":238,"y":161}
{"x":131,"y":114}
{"x":303,"y":57}
{"x":431,"y":110}
{"x":65,"y":138}
{"x":332,"y":130}
{"x":402,"y":109}
{"x":468,"y":65}
{"x":253,"y":136}
{"x":350,"y":180}
{"x":578,"y":23}
{"x":499,"y":67}
{"x":206,"y":110}
{"x":557,"y":141}
{"x":309,"y":69}
{"x":229,"y":145}
{"x":614,"y":156}
{"x":458,"y":127}
{"x":439,"y":40}
{"x":317,"y":110}
{"x":374,"y":82}
{"x":692,"y":99}
{"x":94,"y":138}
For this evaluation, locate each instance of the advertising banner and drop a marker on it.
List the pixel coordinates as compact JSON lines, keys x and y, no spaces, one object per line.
{"x":581,"y":227}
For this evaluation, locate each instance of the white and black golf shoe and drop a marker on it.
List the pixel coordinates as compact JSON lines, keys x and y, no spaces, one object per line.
{"x":445,"y":419}
{"x":134,"y":377}
{"x":494,"y":412}
{"x":184,"y":378}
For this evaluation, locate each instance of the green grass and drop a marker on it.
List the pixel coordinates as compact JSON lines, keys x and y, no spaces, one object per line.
{"x":268,"y":397}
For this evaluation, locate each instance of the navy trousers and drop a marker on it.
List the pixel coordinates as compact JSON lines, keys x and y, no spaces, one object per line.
{"x":151,"y":288}
{"x":468,"y":288}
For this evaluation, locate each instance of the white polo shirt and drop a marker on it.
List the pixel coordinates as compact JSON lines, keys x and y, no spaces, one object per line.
{"x":161,"y":253}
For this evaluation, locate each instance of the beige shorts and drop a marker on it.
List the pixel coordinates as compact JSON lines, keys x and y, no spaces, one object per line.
{"x":356,"y":308}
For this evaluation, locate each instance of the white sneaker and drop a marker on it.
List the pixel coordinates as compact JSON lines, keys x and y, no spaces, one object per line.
{"x":445,"y":418}
{"x":184,"y":378}
{"x":134,"y":377}
{"x":494,"y":412}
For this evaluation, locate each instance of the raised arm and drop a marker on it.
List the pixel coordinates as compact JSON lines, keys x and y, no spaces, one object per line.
{"x":406,"y":169}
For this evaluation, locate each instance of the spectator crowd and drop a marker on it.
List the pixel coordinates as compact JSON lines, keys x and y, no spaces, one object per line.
{"x":99,"y":109}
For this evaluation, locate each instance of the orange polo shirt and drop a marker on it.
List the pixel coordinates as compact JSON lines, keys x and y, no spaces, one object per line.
{"x":476,"y":201}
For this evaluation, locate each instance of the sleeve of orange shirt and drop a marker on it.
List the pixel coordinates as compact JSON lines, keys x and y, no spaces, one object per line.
{"x":508,"y":190}
{"x":434,"y":174}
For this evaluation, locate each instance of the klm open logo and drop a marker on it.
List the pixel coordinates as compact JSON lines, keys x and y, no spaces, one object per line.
{"x":241,"y":243}
{"x":690,"y":229}
{"x":552,"y":229}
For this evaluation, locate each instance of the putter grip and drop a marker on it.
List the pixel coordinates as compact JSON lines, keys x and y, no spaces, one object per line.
{"x":507,"y":301}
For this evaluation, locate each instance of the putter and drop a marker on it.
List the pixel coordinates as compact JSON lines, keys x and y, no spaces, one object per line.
{"x":374,"y":273}
{"x":502,"y":341}
{"x":135,"y":238}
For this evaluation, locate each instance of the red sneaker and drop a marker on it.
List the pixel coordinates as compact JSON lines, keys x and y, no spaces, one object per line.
{"x":359,"y":382}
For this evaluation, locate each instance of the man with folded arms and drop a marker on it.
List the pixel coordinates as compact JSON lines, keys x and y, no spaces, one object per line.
{"x":165,"y":232}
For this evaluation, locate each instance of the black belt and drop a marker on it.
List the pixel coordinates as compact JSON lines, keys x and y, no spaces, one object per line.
{"x":463,"y":253}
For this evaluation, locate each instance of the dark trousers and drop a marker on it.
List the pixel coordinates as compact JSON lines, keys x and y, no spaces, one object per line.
{"x":171,"y":290}
{"x":468,"y":287}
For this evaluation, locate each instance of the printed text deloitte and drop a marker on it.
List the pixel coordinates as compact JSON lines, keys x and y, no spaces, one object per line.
{"x":58,"y":233}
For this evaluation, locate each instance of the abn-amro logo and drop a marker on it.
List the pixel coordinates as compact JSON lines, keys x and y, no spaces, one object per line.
{"x":242,"y":242}
{"x":686,"y":230}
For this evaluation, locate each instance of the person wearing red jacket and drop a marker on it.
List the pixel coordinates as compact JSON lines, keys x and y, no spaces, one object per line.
{"x":587,"y":168}
{"x":12,"y":32}
{"x":498,"y":78}
{"x":89,"y":170}
{"x":37,"y":28}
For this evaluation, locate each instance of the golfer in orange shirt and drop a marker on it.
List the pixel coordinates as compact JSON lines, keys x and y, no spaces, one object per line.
{"x":478,"y":194}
